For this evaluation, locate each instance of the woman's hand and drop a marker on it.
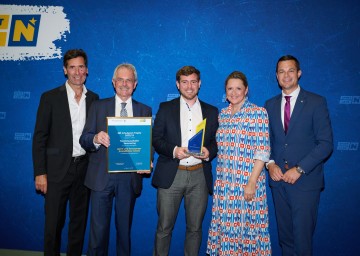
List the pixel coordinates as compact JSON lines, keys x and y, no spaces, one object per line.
{"x":249,"y":191}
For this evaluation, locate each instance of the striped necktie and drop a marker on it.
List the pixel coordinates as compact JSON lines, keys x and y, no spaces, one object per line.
{"x":123,"y":111}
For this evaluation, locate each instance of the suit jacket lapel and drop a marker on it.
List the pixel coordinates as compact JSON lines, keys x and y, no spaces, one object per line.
{"x":299,"y":105}
{"x":88,"y":103}
{"x":136,"y":108}
{"x":64,"y":102}
{"x":111,"y":107}
{"x":277,"y":116}
{"x":203,"y":110}
{"x":177,"y":119}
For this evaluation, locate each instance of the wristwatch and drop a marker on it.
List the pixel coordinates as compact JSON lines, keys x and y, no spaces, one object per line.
{"x":300,"y":170}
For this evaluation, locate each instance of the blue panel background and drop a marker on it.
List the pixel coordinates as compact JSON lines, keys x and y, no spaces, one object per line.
{"x":216,"y":36}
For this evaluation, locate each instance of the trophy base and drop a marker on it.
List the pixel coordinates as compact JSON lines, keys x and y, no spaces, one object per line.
{"x":195,"y":153}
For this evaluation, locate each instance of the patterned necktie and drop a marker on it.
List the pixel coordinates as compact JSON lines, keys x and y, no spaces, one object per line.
{"x":287,"y":113}
{"x":123,"y":111}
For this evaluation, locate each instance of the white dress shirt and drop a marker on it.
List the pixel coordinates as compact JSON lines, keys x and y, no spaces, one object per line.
{"x":78,"y":118}
{"x":190,"y":117}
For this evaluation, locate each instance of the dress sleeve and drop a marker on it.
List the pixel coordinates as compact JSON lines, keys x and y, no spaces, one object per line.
{"x":262,"y":142}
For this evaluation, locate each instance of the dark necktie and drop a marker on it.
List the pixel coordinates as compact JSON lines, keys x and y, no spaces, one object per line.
{"x":123,"y":111}
{"x":287,"y":113}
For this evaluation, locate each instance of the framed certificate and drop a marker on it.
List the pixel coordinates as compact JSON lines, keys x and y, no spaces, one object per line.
{"x":130,"y":147}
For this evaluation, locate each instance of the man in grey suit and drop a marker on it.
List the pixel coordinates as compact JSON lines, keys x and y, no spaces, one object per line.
{"x":59,"y":161}
{"x":301,"y":141}
{"x":123,"y":188}
{"x":178,"y":175}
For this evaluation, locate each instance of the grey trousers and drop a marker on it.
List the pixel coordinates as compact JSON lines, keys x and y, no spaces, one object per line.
{"x":191,"y":186}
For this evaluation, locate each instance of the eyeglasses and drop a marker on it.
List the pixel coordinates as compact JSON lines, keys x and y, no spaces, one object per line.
{"x":122,"y":80}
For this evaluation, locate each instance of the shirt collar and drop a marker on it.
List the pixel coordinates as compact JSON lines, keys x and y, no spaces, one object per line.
{"x":182,"y":101}
{"x":70,"y":90}
{"x":294,"y":94}
{"x":118,"y":100}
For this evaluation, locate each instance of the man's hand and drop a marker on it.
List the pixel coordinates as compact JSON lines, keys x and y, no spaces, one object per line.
{"x":143,"y":172}
{"x":102,"y":138}
{"x":275,"y":172}
{"x":181,"y":153}
{"x":291,"y":175}
{"x":205,"y":154}
{"x":146,"y":172}
{"x":41,"y":183}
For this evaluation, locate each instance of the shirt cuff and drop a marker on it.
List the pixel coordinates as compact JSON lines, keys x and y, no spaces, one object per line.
{"x":174,"y":151}
{"x":270,"y":161}
{"x":96,"y":144}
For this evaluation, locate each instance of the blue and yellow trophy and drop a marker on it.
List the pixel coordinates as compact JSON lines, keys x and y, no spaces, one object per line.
{"x":196,"y":142}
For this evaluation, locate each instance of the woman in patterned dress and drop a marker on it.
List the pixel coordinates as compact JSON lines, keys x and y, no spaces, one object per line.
{"x":239,"y":224}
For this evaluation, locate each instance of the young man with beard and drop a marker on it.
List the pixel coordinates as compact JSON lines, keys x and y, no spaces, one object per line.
{"x":178,"y":175}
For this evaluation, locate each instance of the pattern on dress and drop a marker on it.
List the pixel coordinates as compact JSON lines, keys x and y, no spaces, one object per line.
{"x":239,"y":227}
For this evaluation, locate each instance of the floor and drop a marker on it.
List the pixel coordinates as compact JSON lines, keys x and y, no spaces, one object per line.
{"x":5,"y":252}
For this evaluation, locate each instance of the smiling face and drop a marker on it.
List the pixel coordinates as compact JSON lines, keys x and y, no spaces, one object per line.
{"x":76,"y":71}
{"x":189,"y":86}
{"x":236,"y":92}
{"x":124,"y":83}
{"x":288,"y":75}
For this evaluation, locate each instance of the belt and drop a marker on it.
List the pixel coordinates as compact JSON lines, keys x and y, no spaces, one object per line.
{"x":190,"y":167}
{"x":76,"y":159}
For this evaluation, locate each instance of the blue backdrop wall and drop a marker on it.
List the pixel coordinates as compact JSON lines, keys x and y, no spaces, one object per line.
{"x":158,"y":37}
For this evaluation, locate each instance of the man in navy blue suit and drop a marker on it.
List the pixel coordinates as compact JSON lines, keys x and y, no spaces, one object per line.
{"x":107,"y":187}
{"x":299,"y":149}
{"x":177,"y":174}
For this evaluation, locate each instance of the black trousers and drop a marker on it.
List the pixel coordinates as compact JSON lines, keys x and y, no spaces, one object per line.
{"x":73,"y":191}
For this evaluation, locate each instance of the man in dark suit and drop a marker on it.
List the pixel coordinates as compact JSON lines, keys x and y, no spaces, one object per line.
{"x":105,"y":187}
{"x":301,"y":140}
{"x":59,"y":161}
{"x":178,"y":175}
